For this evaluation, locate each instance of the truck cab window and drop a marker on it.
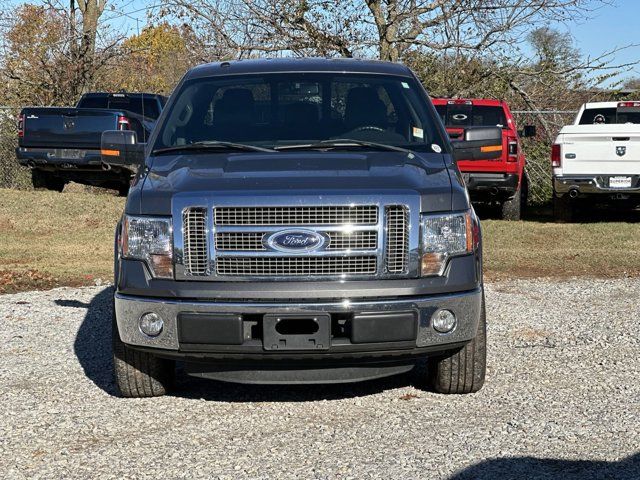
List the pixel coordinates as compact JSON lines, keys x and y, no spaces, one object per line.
{"x":280,"y":109}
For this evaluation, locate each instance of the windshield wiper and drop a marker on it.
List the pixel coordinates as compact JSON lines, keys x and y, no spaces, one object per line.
{"x":342,"y":142}
{"x":212,"y":145}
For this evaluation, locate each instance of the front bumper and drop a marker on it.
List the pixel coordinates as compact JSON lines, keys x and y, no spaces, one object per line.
{"x":465,"y":305}
{"x":592,"y":185}
{"x":486,"y":185}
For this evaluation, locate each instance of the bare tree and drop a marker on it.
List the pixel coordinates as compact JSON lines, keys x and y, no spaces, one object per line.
{"x":388,"y":29}
{"x":632,"y":84}
{"x":51,"y":55}
{"x":91,"y":11}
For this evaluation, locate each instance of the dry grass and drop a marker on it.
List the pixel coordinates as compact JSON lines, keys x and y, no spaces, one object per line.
{"x":51,"y":239}
{"x":544,"y":249}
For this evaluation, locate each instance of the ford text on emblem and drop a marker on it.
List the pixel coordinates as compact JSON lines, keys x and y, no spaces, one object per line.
{"x":620,"y":151}
{"x":295,"y":241}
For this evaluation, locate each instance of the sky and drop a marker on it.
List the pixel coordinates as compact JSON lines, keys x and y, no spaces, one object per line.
{"x":610,"y":27}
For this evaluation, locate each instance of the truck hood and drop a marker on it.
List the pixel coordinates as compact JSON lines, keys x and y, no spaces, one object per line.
{"x":295,"y":173}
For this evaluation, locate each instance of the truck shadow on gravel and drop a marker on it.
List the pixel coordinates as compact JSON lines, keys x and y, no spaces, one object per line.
{"x":92,"y":347}
{"x":201,"y":389}
{"x":550,"y":469}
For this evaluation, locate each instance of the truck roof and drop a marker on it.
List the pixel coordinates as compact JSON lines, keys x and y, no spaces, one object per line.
{"x":486,"y":102}
{"x":120,"y":94}
{"x":316,"y":65}
{"x":590,"y":105}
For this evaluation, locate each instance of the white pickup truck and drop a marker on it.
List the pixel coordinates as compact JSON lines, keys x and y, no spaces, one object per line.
{"x":597,"y":159}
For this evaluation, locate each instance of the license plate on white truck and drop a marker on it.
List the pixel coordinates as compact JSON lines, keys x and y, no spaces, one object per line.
{"x":619,"y":182}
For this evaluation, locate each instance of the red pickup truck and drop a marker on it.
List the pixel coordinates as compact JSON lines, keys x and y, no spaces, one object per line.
{"x":499,"y":181}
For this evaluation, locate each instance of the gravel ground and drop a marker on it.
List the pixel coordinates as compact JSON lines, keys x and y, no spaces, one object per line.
{"x":562,"y":400}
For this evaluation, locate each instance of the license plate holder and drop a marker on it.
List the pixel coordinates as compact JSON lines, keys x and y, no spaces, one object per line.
{"x":620,"y":182}
{"x":290,"y":331}
{"x":70,"y":153}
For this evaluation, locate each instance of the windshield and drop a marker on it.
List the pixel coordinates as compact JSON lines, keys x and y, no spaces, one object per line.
{"x":149,"y":106}
{"x":465,"y":115}
{"x":277,"y":110}
{"x":595,"y":116}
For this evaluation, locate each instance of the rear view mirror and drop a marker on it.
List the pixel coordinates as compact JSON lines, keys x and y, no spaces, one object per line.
{"x":528,"y":131}
{"x":480,"y":143}
{"x":121,"y":148}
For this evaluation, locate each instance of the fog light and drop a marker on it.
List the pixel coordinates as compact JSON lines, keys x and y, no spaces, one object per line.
{"x":151,"y":324}
{"x":444,"y":321}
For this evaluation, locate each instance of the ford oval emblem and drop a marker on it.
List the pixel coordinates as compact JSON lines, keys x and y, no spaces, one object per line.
{"x":295,"y":241}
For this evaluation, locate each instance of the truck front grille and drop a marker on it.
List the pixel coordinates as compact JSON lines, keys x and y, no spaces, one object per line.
{"x":196,"y":251}
{"x":230,"y":243}
{"x":320,"y":215}
{"x":295,"y":266}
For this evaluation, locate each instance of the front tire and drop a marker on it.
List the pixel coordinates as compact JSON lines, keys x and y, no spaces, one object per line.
{"x":139,"y":374}
{"x":464,"y":370}
{"x":123,"y":190}
{"x":511,"y":210}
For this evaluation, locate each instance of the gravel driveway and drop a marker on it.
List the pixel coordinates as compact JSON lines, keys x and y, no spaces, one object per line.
{"x":562,"y":400}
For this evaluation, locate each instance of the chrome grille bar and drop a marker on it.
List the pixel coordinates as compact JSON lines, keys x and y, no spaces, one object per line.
{"x":196,"y":252}
{"x":240,"y":241}
{"x":397,"y":241}
{"x":297,"y":215}
{"x":295,"y":266}
{"x":253,"y":241}
{"x":366,"y":240}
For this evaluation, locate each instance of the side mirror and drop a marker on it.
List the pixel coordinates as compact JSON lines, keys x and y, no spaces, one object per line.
{"x":121,"y":148}
{"x":480,"y":143}
{"x":528,"y":131}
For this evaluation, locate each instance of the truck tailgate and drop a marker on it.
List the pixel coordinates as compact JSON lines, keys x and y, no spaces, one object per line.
{"x":66,"y":127}
{"x":600,"y":149}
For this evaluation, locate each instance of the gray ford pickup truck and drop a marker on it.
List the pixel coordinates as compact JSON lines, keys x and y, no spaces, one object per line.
{"x":298,"y":221}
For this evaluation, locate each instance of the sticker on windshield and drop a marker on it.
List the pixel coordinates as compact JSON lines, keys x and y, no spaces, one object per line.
{"x":418,"y":132}
{"x":436,"y":148}
{"x":405,"y":85}
{"x":459,"y":117}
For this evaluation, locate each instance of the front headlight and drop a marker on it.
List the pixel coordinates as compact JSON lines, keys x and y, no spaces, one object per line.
{"x":443,"y":237}
{"x":149,"y":239}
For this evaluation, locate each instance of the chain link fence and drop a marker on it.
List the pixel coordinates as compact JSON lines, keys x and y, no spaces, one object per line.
{"x":538,"y":149}
{"x":12,"y":175}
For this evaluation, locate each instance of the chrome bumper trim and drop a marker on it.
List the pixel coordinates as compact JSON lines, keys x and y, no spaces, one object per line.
{"x":589,"y":184}
{"x":466,"y":306}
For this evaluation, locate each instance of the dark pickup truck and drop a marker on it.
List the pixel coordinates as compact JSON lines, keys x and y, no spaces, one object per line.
{"x":62,"y":144}
{"x":298,"y":221}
